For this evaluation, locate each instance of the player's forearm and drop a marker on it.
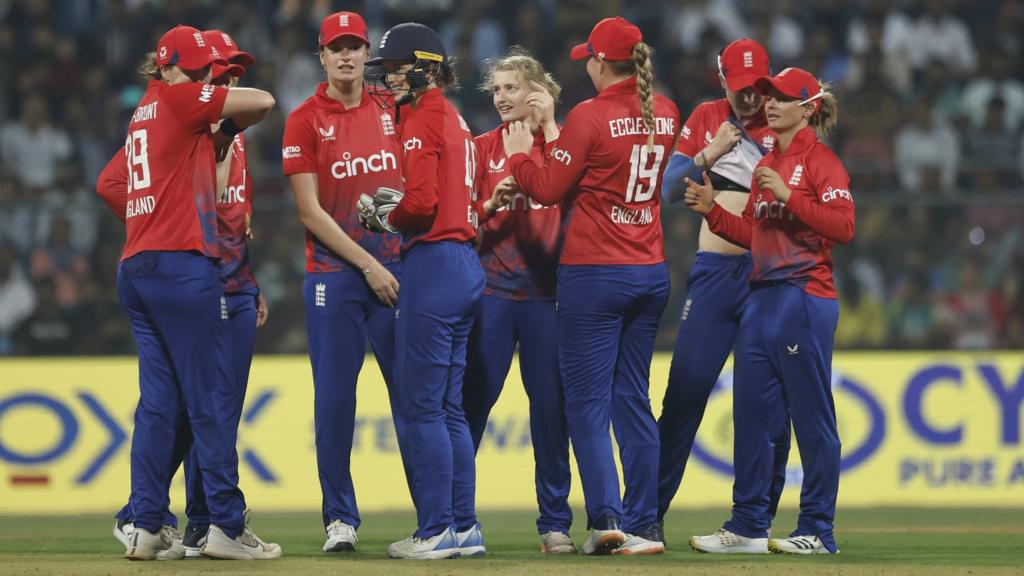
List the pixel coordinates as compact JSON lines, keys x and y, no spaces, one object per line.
{"x":735,"y":229}
{"x":673,"y":186}
{"x":534,"y":181}
{"x":321,"y":225}
{"x":835,"y":223}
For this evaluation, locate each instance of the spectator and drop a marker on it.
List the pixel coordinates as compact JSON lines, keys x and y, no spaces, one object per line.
{"x":17,"y":299}
{"x":61,"y":263}
{"x":974,"y":310}
{"x":691,"y":18}
{"x":50,"y":330}
{"x":990,"y":151}
{"x":32,"y":147}
{"x":939,"y":34}
{"x":776,"y":28}
{"x":995,"y":81}
{"x":863,"y":318}
{"x":927,"y":152}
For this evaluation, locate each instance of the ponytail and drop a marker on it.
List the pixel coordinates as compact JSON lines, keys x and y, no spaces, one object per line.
{"x":148,"y":68}
{"x":645,"y":86}
{"x":826,"y":116}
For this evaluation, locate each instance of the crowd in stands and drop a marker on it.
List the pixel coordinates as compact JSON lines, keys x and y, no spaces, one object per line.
{"x":931,"y":96}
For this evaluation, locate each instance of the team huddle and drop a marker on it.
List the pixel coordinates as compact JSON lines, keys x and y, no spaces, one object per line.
{"x":447,"y":251}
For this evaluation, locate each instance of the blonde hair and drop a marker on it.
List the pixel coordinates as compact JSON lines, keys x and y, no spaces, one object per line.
{"x":826,"y":116}
{"x":148,"y":68}
{"x":643,"y":68}
{"x":526,"y":67}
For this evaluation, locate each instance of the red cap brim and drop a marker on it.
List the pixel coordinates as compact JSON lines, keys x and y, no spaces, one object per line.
{"x":200,"y":61}
{"x":766,"y":84}
{"x":580,"y":52}
{"x":239,"y":57}
{"x":741,"y":81}
{"x":236,"y":70}
{"x":352,"y":34}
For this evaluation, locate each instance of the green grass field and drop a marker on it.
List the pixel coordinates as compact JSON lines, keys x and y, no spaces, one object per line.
{"x":887,"y":542}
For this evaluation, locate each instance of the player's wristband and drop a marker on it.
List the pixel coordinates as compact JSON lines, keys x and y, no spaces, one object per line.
{"x":229,"y":128}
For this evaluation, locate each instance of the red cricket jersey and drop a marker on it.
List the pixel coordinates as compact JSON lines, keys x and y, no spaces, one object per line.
{"x":234,"y":203}
{"x":793,"y":240}
{"x":616,"y":217}
{"x":439,"y":165}
{"x":171,"y":169}
{"x":702,"y":125}
{"x":352,"y":151}
{"x":112,"y":185}
{"x":519,"y":246}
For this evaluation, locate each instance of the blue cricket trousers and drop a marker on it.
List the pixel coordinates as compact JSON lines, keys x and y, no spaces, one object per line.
{"x":442,"y":283}
{"x":532,"y":324}
{"x":234,"y":359}
{"x":716,"y":295}
{"x":341,"y":314}
{"x":235,"y":346}
{"x":784,"y":356}
{"x":173,"y":301}
{"x":607,"y":320}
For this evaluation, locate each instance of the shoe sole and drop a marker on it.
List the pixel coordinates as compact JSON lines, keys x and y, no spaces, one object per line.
{"x":607,"y":544}
{"x":193,"y":552}
{"x":775,"y":549}
{"x":224,"y":553}
{"x":695,"y":548}
{"x":560,"y":550}
{"x":472,"y":551}
{"x":434,"y":555}
{"x":655,"y":549}
{"x":341,"y":547}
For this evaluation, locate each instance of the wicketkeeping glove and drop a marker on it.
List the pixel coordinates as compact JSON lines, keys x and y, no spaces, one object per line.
{"x":374,"y":211}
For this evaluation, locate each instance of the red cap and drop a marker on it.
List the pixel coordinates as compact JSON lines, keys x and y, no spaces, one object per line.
{"x":186,"y":48}
{"x":611,"y":39}
{"x":794,"y":83}
{"x":225,"y":44}
{"x":742,"y":63}
{"x":342,"y":24}
{"x":236,"y":70}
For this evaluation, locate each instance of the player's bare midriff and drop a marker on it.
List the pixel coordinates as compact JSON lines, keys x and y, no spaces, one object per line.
{"x":733,"y":202}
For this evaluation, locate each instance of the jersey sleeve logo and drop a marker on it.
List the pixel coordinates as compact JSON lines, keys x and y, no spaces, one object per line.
{"x":206,"y":93}
{"x":562,"y":156}
{"x":834,"y":193}
{"x":326,"y":135}
{"x":413,"y":144}
{"x":686,"y":132}
{"x":291,"y":152}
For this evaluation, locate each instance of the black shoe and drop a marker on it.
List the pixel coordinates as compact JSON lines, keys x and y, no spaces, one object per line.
{"x":607,"y":522}
{"x":194,"y":540}
{"x":655,"y":532}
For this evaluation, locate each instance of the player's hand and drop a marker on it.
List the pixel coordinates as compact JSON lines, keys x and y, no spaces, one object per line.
{"x":383,"y":284}
{"x":768,"y":179}
{"x":222,"y":144}
{"x":517,"y":138}
{"x":542,"y":105}
{"x":699,"y":197}
{"x":262,"y":310}
{"x":727,"y":136}
{"x":248,"y":227}
{"x":374,"y":211}
{"x":501,"y":196}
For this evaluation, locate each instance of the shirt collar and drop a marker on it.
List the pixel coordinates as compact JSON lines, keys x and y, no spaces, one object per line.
{"x":332,"y":105}
{"x":627,"y":86}
{"x":803,"y":140}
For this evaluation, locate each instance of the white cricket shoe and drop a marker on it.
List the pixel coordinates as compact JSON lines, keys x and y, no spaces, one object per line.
{"x":471,"y":542}
{"x":646,"y":541}
{"x":798,"y":545}
{"x":556,"y":543}
{"x":122,"y":531}
{"x":439,"y":547}
{"x":605,"y":537}
{"x":145,"y":545}
{"x":726,"y":542}
{"x":247,"y":546}
{"x":341,"y":537}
